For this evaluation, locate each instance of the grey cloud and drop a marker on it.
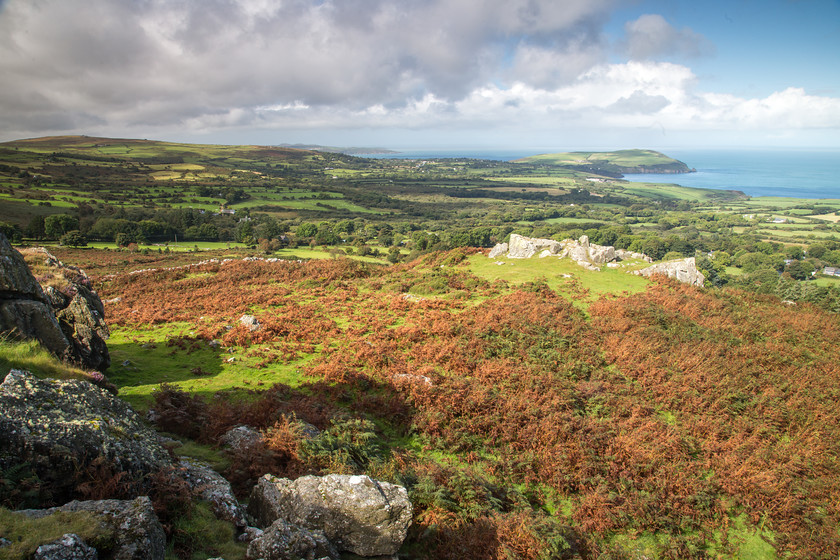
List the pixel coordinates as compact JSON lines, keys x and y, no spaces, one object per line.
{"x":168,"y":61}
{"x":639,"y":102}
{"x":650,"y":36}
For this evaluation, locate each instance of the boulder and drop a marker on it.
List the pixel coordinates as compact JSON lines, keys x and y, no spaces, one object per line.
{"x":78,"y":331}
{"x":521,"y":247}
{"x":285,"y":541}
{"x":499,"y":250}
{"x":69,"y":547}
{"x":83,"y":322}
{"x":356,"y":513}
{"x":683,"y":270}
{"x":213,"y":488}
{"x":16,"y":280}
{"x":60,"y":427}
{"x":137,"y":532}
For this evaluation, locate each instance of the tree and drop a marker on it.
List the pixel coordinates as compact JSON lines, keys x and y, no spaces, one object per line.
{"x":73,"y":239}
{"x":58,"y":224}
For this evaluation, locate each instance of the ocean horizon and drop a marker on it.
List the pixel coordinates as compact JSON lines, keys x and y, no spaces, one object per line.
{"x":793,"y":172}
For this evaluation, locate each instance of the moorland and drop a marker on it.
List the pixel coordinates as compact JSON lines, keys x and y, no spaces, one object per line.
{"x":533,"y":408}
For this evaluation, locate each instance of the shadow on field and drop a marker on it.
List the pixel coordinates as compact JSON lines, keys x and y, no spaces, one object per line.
{"x":177,"y":359}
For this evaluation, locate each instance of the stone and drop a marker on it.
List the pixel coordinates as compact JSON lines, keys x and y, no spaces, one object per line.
{"x":356,"y":513}
{"x":286,"y":541}
{"x":682,"y":270}
{"x":83,"y":322}
{"x":16,"y":280}
{"x":27,"y":319}
{"x":60,"y":427}
{"x":137,"y":532}
{"x":521,"y":247}
{"x":69,"y":547}
{"x":250,"y":321}
{"x":499,"y":250}
{"x":213,"y":488}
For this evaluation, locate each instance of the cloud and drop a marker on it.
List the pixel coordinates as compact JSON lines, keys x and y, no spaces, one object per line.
{"x":650,"y":36}
{"x":153,"y":68}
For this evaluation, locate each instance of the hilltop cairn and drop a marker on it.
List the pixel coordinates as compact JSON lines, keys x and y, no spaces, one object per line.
{"x":588,"y":255}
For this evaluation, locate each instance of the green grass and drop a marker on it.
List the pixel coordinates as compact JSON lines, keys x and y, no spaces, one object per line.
{"x":560,"y":275}
{"x":31,"y":356}
{"x":142,"y":360}
{"x":27,"y":534}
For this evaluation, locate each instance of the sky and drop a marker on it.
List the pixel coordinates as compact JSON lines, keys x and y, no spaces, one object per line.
{"x":426,"y":74}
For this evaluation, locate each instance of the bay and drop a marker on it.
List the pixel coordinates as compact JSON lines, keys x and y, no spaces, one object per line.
{"x":798,"y":173}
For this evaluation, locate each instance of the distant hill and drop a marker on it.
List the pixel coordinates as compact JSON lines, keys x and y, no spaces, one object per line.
{"x":353,"y":151}
{"x":612,"y":164}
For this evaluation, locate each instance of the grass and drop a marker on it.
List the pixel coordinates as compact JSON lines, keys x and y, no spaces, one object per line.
{"x":562,"y":275}
{"x":27,"y":534}
{"x":143,"y":358}
{"x":31,"y":356}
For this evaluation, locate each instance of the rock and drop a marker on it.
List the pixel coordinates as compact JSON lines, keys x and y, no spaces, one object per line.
{"x":499,"y":250}
{"x":78,"y":331}
{"x":412,"y":379}
{"x":241,"y":437}
{"x":521,"y":247}
{"x":683,"y":270}
{"x":250,"y":321}
{"x":285,"y":541}
{"x":29,"y":319}
{"x":4,"y":542}
{"x":69,"y":547}
{"x":60,"y":427}
{"x":137,"y":533}
{"x":357,"y":514}
{"x":212,"y":487}
{"x":16,"y":280}
{"x":83,"y":322}
{"x":624,"y":254}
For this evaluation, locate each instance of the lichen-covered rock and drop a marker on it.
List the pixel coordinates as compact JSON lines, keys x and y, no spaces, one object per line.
{"x":212,"y":487}
{"x":83,"y":322}
{"x":69,"y":547}
{"x":683,"y":270}
{"x":137,"y":532}
{"x":521,"y":247}
{"x":60,"y":427}
{"x":250,"y":321}
{"x":285,"y":541}
{"x":357,"y":514}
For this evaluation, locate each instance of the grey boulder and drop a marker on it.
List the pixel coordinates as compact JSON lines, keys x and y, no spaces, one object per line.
{"x":356,"y":513}
{"x":69,"y":547}
{"x":61,"y":427}
{"x":284,"y":541}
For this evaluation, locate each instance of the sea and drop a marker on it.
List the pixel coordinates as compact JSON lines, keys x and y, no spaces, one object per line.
{"x":793,"y":172}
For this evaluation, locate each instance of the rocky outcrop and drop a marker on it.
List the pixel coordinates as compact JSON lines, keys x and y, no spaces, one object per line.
{"x":25,"y":310}
{"x":624,"y":255}
{"x":61,"y":427}
{"x":284,"y":541}
{"x":683,"y":270}
{"x":586,"y":254}
{"x":136,"y":531}
{"x":357,"y":514}
{"x":69,"y":323}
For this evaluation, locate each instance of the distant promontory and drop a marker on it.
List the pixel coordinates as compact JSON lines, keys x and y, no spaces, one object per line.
{"x":612,"y":164}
